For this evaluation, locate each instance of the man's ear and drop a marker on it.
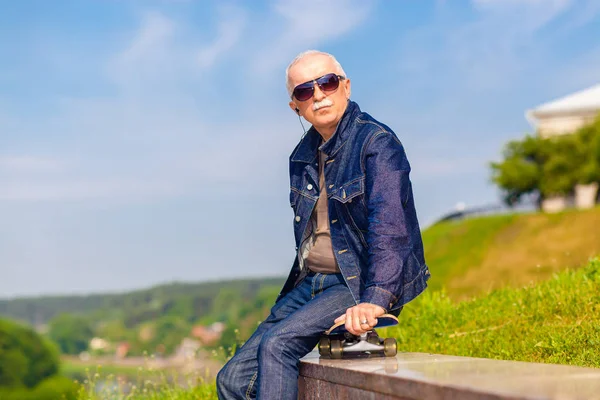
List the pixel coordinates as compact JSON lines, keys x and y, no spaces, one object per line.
{"x":348,"y":87}
{"x":294,"y":107}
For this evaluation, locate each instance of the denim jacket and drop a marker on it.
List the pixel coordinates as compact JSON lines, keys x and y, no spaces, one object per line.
{"x":375,"y":233}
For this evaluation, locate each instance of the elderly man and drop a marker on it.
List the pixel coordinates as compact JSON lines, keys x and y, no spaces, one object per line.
{"x":359,"y":252}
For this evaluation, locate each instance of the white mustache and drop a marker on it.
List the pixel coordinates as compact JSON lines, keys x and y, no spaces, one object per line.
{"x":323,"y":103}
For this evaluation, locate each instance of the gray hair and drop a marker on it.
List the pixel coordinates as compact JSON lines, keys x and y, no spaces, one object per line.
{"x":306,"y":53}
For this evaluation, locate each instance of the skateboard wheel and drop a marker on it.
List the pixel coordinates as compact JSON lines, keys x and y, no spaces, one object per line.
{"x":324,"y":347}
{"x":390,"y":348}
{"x":336,"y":349}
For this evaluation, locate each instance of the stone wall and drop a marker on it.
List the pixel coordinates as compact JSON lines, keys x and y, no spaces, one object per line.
{"x":416,"y":376}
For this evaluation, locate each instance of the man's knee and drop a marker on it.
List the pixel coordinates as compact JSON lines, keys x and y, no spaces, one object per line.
{"x":272,"y":343}
{"x":222,"y":381}
{"x":221,"y":375}
{"x":226,"y":383}
{"x":278,"y":344}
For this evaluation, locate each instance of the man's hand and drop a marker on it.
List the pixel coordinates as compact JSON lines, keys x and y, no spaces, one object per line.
{"x":361,"y":318}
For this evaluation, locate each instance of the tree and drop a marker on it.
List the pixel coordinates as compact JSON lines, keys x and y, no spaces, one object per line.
{"x":168,"y":333}
{"x":521,"y":171}
{"x":26,"y":358}
{"x":588,"y":153}
{"x":72,"y":333}
{"x":560,"y":163}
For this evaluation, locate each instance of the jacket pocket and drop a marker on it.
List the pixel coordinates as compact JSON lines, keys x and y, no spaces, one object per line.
{"x":351,"y":198}
{"x":348,"y":191}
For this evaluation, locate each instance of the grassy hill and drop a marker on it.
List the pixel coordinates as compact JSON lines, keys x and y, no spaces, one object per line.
{"x":473,"y":256}
{"x":554,"y":321}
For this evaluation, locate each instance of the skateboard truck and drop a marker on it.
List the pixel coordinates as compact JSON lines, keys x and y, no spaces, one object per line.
{"x":337,"y":341}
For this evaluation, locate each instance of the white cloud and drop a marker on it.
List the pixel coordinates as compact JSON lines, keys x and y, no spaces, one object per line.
{"x":309,"y":24}
{"x":528,"y":15}
{"x":155,"y":32}
{"x":504,"y":3}
{"x":150,"y":138}
{"x":490,"y":52}
{"x":69,"y":190}
{"x":585,"y":12}
{"x":231,"y":24}
{"x":165,"y":52}
{"x":147,"y":56}
{"x":18,"y":164}
{"x":135,"y":155}
{"x":519,"y":3}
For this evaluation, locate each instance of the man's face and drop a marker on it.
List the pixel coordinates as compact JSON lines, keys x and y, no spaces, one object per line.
{"x":324,"y":109}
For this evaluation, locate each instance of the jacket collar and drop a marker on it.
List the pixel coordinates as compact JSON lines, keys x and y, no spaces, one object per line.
{"x":307,"y":148}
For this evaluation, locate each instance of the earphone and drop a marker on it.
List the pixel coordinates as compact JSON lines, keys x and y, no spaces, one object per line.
{"x":300,"y":119}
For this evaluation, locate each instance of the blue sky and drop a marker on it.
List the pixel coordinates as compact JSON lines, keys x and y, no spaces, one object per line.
{"x":143,"y":142}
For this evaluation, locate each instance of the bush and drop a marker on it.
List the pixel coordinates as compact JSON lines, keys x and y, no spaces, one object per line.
{"x":26,"y":358}
{"x":54,"y":388}
{"x":72,"y":333}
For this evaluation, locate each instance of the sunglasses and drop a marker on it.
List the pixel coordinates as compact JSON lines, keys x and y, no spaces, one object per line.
{"x":327,"y":83}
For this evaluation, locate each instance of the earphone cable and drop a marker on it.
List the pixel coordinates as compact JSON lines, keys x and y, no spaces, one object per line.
{"x":304,"y":129}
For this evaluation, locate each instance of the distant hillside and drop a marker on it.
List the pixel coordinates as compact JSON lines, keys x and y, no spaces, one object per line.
{"x":472,"y":256}
{"x":190,"y":301}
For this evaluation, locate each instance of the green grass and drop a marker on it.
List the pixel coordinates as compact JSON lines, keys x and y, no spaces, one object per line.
{"x":70,"y":368}
{"x":555,"y":321}
{"x":147,"y":384}
{"x":150,"y":391}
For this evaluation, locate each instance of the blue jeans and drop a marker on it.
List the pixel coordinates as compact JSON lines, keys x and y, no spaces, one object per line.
{"x":266,"y":366}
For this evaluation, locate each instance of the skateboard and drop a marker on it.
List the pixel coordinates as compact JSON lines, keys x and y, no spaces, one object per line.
{"x":337,"y":341}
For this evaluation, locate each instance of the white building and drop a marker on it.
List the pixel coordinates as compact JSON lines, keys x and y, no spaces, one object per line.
{"x":567,"y":114}
{"x":563,"y":116}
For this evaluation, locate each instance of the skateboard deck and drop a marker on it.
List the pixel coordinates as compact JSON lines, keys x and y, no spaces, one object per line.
{"x":337,"y":341}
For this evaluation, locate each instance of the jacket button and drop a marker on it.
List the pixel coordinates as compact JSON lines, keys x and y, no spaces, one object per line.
{"x":309,"y":187}
{"x":297,"y":218}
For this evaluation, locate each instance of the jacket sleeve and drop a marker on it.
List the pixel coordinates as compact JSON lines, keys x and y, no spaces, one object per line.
{"x":389,"y":236}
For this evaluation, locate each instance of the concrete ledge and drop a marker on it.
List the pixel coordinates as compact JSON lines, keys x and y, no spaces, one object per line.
{"x":415,"y":376}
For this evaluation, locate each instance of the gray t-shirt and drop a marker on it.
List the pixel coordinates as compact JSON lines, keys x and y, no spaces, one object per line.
{"x":321,"y":257}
